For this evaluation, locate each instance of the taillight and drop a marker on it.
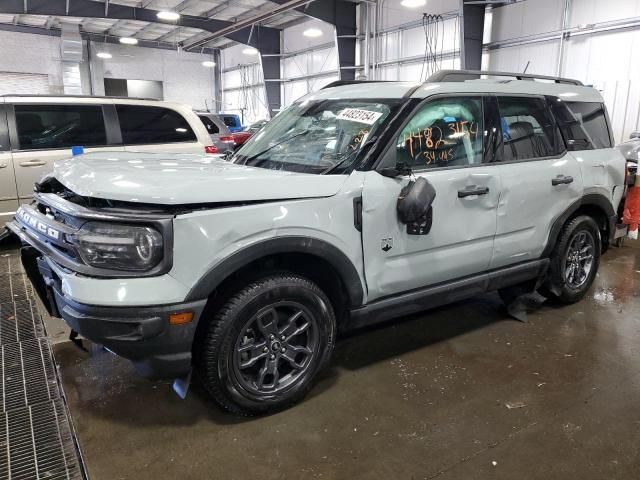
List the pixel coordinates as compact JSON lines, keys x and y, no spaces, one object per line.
{"x":228,"y":139}
{"x":210,"y":149}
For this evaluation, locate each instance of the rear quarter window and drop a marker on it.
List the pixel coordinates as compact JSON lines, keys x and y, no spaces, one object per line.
{"x":584,"y":125}
{"x":142,"y":125}
{"x":212,"y":128}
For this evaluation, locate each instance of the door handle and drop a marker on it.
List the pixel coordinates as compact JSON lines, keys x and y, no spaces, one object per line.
{"x":471,"y":190}
{"x":562,"y":180}
{"x":4,"y":165}
{"x":599,"y":165}
{"x":33,"y":163}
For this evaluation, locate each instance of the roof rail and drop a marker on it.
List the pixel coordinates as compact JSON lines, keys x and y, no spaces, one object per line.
{"x":464,"y":75}
{"x":23,"y":95}
{"x":339,"y":83}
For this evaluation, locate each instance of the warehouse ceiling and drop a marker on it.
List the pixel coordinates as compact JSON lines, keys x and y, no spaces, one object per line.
{"x":163,"y":31}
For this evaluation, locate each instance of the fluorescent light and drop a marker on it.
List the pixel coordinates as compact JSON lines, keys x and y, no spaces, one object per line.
{"x":166,"y":15}
{"x":413,"y":3}
{"x":250,"y":51}
{"x":312,"y":32}
{"x":208,"y":64}
{"x":103,"y":55}
{"x":128,"y":40}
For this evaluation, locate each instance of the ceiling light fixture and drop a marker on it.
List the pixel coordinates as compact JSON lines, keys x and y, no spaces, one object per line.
{"x":208,"y":64}
{"x":312,"y":32}
{"x":129,"y":40}
{"x":413,"y":3}
{"x":250,"y":51}
{"x":167,"y":15}
{"x":103,"y":55}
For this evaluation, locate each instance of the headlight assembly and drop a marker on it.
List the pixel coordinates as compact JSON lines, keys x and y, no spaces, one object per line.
{"x":119,"y":247}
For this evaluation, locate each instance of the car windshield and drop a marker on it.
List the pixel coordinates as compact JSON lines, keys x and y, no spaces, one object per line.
{"x":316,"y":136}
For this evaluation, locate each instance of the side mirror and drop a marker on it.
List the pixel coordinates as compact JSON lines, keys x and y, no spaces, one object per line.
{"x":414,"y":206}
{"x":634,"y":135}
{"x":401,"y":169}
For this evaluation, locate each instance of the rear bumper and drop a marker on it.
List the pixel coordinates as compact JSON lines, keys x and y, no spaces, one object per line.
{"x":140,"y":334}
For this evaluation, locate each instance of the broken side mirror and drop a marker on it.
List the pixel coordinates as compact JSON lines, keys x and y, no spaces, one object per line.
{"x":414,"y":206}
{"x":401,"y":169}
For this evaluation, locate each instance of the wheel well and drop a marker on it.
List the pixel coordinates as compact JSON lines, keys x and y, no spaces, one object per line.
{"x":315,"y":268}
{"x":600,"y":217}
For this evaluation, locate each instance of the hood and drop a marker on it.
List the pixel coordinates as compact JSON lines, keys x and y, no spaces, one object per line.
{"x":175,"y":179}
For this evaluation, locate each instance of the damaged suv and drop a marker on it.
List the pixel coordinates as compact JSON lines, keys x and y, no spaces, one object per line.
{"x":355,"y":205}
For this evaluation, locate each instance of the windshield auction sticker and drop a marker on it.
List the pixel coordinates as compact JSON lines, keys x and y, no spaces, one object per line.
{"x":360,"y":116}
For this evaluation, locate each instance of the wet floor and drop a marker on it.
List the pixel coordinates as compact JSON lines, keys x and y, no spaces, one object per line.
{"x":462,"y":392}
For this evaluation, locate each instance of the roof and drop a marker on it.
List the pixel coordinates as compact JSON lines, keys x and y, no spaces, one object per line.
{"x":358,"y":90}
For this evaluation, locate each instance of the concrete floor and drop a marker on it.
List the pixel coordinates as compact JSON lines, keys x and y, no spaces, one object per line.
{"x":457,"y":393}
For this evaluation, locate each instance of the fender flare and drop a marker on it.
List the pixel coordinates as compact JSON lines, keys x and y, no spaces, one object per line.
{"x":591,"y":199}
{"x":286,"y":244}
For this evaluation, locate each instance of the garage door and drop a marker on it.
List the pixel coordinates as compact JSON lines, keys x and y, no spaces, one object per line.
{"x":23,"y":84}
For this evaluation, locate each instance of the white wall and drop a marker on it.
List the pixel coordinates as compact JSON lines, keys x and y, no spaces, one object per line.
{"x":184,"y":78}
{"x":606,"y":60}
{"x":402,"y":42}
{"x":29,"y":53}
{"x":243,"y":89}
{"x":320,"y":62}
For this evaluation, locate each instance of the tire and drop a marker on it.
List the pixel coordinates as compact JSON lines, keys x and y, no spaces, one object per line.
{"x":251,"y":359}
{"x":571,"y":277}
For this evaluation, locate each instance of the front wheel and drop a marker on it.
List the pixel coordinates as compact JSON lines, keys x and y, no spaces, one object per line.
{"x":574,"y":261}
{"x":263,"y":348}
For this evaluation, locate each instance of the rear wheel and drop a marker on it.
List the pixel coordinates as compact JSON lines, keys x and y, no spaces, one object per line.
{"x":263,"y":348}
{"x":574,"y":261}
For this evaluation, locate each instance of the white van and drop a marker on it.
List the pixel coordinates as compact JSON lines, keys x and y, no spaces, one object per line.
{"x":35,"y":131}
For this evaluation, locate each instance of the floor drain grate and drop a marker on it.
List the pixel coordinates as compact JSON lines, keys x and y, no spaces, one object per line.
{"x":37,"y":443}
{"x":28,"y":375}
{"x":20,"y":321}
{"x":15,"y":287}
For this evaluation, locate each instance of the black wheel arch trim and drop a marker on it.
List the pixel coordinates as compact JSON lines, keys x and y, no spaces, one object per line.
{"x":590,"y":199}
{"x":286,"y":244}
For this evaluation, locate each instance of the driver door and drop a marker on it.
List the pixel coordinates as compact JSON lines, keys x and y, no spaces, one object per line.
{"x":444,"y":143}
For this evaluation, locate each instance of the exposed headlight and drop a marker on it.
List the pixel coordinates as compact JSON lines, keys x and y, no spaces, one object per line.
{"x":119,"y":247}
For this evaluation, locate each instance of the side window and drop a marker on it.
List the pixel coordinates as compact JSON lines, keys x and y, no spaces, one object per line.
{"x":584,"y":125}
{"x":230,"y":121}
{"x":148,"y":125}
{"x":212,"y":128}
{"x":445,"y":132}
{"x":60,"y":126}
{"x":528,"y":130}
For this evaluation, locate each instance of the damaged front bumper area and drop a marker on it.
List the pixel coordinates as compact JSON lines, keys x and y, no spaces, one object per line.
{"x":143,"y":334}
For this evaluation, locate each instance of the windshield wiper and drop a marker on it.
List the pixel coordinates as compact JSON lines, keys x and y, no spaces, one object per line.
{"x":288,"y":139}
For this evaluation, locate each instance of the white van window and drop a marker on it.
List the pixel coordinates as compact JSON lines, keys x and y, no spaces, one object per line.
{"x":148,"y":125}
{"x":60,"y":126}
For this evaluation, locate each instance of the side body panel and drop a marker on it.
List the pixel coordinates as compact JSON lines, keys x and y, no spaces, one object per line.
{"x":8,"y":193}
{"x":602,"y":173}
{"x":529,"y":204}
{"x":460,"y":242}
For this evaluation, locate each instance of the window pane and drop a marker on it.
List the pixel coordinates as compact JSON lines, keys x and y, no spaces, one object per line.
{"x":212,"y":128}
{"x":145,"y":125}
{"x":445,"y":132}
{"x":527,"y":129}
{"x":592,"y":117}
{"x":230,"y":120}
{"x":573,"y":131}
{"x":59,"y":126}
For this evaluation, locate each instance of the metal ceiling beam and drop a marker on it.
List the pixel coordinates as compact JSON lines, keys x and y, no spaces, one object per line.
{"x":91,"y":9}
{"x":95,"y":37}
{"x":254,"y":20}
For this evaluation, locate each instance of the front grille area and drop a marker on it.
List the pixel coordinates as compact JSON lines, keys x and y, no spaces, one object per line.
{"x":36,"y":434}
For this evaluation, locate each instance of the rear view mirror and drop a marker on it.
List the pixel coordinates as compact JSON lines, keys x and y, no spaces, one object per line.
{"x":414,"y":206}
{"x":634,"y":135}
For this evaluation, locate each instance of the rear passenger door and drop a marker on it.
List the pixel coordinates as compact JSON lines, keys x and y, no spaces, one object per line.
{"x":540,"y":179}
{"x":156,"y":129}
{"x":8,"y":194}
{"x":42,"y":134}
